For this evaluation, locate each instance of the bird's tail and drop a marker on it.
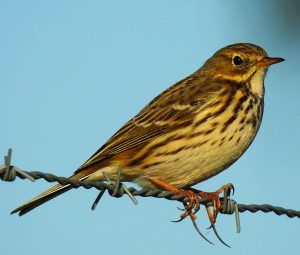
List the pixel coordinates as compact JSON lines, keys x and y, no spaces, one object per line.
{"x":48,"y":195}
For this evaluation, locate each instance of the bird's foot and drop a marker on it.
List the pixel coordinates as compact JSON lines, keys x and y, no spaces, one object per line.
{"x":192,"y":206}
{"x":215,"y":199}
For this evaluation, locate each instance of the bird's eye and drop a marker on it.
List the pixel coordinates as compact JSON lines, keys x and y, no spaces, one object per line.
{"x":237,"y":60}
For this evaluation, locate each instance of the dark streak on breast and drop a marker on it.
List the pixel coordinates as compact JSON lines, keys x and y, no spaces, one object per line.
{"x":236,"y":110}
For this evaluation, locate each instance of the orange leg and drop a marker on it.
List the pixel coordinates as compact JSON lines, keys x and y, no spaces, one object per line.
{"x":192,"y":206}
{"x":192,"y":195}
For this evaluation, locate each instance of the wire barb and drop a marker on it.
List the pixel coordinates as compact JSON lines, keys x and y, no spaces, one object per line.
{"x":9,"y":173}
{"x":118,"y":188}
{"x":94,"y":205}
{"x":230,"y":207}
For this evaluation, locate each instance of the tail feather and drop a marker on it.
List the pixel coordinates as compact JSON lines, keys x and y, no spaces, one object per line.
{"x":41,"y":199}
{"x":47,"y":195}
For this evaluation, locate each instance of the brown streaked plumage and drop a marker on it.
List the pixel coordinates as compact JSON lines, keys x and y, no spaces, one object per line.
{"x":192,"y":131}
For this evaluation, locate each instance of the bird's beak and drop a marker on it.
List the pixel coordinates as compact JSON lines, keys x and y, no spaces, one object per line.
{"x":266,"y":61}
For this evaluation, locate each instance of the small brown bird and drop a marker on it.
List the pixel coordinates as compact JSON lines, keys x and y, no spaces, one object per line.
{"x":192,"y":131}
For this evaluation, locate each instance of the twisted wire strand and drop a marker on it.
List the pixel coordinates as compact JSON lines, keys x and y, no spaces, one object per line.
{"x":9,"y":173}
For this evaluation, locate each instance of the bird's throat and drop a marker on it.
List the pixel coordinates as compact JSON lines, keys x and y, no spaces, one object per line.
{"x":255,"y":83}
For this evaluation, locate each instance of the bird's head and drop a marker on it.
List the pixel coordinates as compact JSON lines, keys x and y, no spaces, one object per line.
{"x":239,"y":62}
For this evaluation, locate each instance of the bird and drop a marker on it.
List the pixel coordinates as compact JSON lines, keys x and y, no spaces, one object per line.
{"x":189,"y":133}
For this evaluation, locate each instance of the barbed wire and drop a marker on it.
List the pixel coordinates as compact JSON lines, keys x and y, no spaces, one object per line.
{"x":116,"y":188}
{"x":9,"y":173}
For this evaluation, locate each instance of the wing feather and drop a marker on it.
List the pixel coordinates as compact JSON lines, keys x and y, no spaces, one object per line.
{"x":175,"y":107}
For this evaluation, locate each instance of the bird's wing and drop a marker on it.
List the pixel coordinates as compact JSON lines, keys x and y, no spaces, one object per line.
{"x":167,"y":112}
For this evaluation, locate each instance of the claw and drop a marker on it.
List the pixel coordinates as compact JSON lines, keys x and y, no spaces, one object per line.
{"x":211,"y":225}
{"x":229,"y":191}
{"x":218,"y":236}
{"x":232,"y":189}
{"x":211,"y":218}
{"x":199,"y":232}
{"x":180,"y":209}
{"x":176,"y":221}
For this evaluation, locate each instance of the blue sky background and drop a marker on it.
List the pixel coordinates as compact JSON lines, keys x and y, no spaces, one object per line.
{"x":73,"y":72}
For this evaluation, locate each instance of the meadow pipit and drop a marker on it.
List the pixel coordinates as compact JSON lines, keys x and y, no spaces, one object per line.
{"x":192,"y":131}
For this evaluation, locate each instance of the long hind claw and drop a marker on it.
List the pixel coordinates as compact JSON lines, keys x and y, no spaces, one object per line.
{"x":210,"y":217}
{"x":199,"y":232}
{"x":212,"y":225}
{"x":218,"y":236}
